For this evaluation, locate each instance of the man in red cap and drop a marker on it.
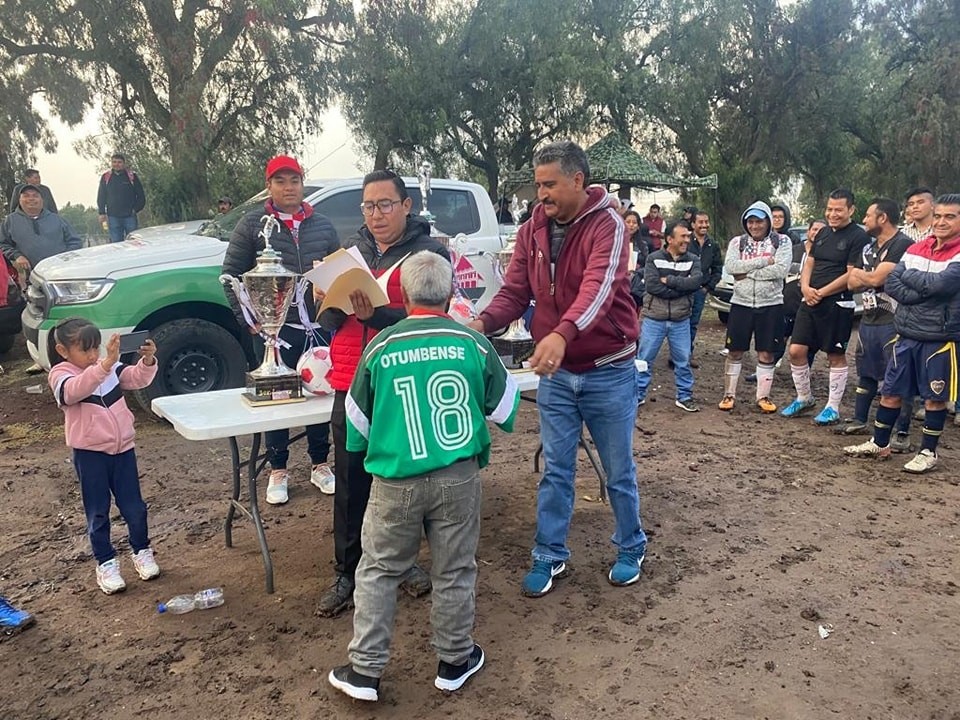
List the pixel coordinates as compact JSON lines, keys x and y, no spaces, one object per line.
{"x":304,"y":236}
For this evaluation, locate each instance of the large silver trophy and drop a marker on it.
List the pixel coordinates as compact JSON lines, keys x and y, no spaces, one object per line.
{"x":516,"y":344}
{"x":265,"y":294}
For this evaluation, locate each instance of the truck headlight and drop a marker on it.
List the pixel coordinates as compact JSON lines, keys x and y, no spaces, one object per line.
{"x":74,"y":292}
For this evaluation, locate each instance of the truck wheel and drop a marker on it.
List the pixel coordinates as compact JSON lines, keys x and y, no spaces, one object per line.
{"x":6,"y":342}
{"x":194,"y":356}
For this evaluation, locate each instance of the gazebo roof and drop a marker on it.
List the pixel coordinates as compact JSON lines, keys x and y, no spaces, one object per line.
{"x":612,"y":160}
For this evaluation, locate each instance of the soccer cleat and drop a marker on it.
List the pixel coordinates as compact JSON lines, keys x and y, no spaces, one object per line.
{"x":868,"y":449}
{"x":452,"y":677}
{"x":827,"y":416}
{"x":798,"y":407}
{"x":766,"y":405}
{"x":853,"y":427}
{"x":145,"y":564}
{"x":922,"y":462}
{"x":900,"y":443}
{"x":727,"y":403}
{"x":13,"y":620}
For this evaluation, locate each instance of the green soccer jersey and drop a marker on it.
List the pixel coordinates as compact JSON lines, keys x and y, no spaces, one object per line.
{"x":423,"y":392}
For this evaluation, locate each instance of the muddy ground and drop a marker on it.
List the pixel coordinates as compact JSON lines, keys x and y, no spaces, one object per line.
{"x":760,"y":534}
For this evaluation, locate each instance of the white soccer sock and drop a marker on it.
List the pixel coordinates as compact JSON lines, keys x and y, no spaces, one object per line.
{"x":731,"y":373}
{"x":801,"y":380}
{"x":838,"y":383}
{"x":764,"y":380}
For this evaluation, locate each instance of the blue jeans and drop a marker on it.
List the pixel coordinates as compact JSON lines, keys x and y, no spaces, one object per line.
{"x":120,"y":227}
{"x":104,"y":477}
{"x":677,"y":334}
{"x":699,"y":300}
{"x":605,"y":400}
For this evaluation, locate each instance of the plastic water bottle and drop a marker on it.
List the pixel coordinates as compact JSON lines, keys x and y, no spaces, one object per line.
{"x":212,"y":597}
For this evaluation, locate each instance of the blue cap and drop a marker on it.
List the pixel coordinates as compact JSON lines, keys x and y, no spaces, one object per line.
{"x":755,"y":212}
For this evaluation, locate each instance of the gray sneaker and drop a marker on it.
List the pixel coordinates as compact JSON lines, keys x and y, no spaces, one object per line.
{"x":687,"y":405}
{"x":900,"y":443}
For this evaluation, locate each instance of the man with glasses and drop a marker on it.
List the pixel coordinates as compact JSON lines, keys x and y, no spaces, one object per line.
{"x":389,"y":234}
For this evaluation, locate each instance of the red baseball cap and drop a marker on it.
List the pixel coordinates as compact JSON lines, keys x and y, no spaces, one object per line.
{"x":283,"y":162}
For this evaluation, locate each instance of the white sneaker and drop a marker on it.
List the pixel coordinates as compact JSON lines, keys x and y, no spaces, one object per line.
{"x":109,"y":578}
{"x":323,"y":478}
{"x":922,"y":462}
{"x":145,"y":565}
{"x":277,"y":487}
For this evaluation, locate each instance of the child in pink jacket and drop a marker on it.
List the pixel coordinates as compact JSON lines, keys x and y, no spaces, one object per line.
{"x":99,"y":428}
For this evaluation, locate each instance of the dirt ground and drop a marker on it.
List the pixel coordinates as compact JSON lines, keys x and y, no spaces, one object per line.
{"x":760,"y":533}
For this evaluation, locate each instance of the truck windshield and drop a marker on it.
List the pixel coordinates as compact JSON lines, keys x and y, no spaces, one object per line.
{"x":222,"y":226}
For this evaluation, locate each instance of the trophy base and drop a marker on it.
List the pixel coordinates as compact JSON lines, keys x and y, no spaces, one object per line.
{"x":513,"y":352}
{"x":273,"y":390}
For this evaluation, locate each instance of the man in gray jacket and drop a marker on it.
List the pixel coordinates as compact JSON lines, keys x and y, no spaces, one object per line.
{"x":32,"y":233}
{"x":759,"y":260}
{"x":671,"y":277}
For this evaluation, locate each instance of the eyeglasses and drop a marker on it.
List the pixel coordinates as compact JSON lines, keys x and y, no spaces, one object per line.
{"x":384,"y":206}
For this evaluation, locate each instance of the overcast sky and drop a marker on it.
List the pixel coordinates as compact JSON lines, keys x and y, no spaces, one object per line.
{"x":74,"y":179}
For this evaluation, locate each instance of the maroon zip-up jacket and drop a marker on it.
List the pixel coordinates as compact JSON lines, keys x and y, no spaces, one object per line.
{"x":587,"y":301}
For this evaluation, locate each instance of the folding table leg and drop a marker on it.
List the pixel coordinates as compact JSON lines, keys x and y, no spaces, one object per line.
{"x":253,"y":512}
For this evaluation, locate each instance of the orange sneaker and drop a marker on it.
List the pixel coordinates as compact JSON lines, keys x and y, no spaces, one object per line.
{"x":727,"y":402}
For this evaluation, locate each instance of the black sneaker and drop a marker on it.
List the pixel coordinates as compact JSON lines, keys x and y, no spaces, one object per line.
{"x":452,"y":677}
{"x":337,"y":599}
{"x":359,"y":687}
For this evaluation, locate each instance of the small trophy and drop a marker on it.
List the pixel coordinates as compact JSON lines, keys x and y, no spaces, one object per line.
{"x":423,"y":178}
{"x":516,"y":344}
{"x":265,"y":295}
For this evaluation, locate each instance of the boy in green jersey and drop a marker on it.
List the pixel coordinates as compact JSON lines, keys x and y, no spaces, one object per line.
{"x":418,"y":407}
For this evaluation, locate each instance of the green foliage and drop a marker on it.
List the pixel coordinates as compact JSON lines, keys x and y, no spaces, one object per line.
{"x":194,"y":80}
{"x":84,"y":221}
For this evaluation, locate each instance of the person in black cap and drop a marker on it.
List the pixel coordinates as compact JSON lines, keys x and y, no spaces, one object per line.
{"x":32,"y":177}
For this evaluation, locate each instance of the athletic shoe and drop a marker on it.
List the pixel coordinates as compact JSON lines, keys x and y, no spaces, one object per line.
{"x":109,"y":578}
{"x":827,"y":416}
{"x":626,"y":570}
{"x":416,"y":583}
{"x":798,"y":407}
{"x":13,"y":620}
{"x":539,"y":581}
{"x":868,"y":449}
{"x":727,"y":403}
{"x":641,"y":401}
{"x":766,"y":405}
{"x":452,"y":677}
{"x":922,"y":462}
{"x":145,"y":564}
{"x":920,"y":414}
{"x":900,"y":443}
{"x":349,"y":681}
{"x":277,"y":487}
{"x":751,"y":378}
{"x":853,"y":427}
{"x":337,"y":598}
{"x":687,"y":405}
{"x":321,"y":476}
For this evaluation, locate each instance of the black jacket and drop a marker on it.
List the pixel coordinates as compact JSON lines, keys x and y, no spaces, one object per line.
{"x":120,"y":194}
{"x":316,"y":239}
{"x":711,"y":260}
{"x":416,"y":237}
{"x":672,"y":300}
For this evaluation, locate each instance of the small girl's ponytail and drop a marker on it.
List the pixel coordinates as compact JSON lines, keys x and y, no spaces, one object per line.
{"x":69,"y":332}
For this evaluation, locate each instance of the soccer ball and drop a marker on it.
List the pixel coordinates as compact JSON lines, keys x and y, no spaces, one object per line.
{"x":313,"y":367}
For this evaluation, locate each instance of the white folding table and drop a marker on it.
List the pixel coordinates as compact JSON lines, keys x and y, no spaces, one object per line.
{"x":224,"y":414}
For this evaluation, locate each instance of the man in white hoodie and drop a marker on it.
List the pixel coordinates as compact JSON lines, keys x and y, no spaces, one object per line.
{"x":759,"y":260}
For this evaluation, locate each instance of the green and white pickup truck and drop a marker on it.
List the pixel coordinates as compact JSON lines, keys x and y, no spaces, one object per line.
{"x":165,"y":280}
